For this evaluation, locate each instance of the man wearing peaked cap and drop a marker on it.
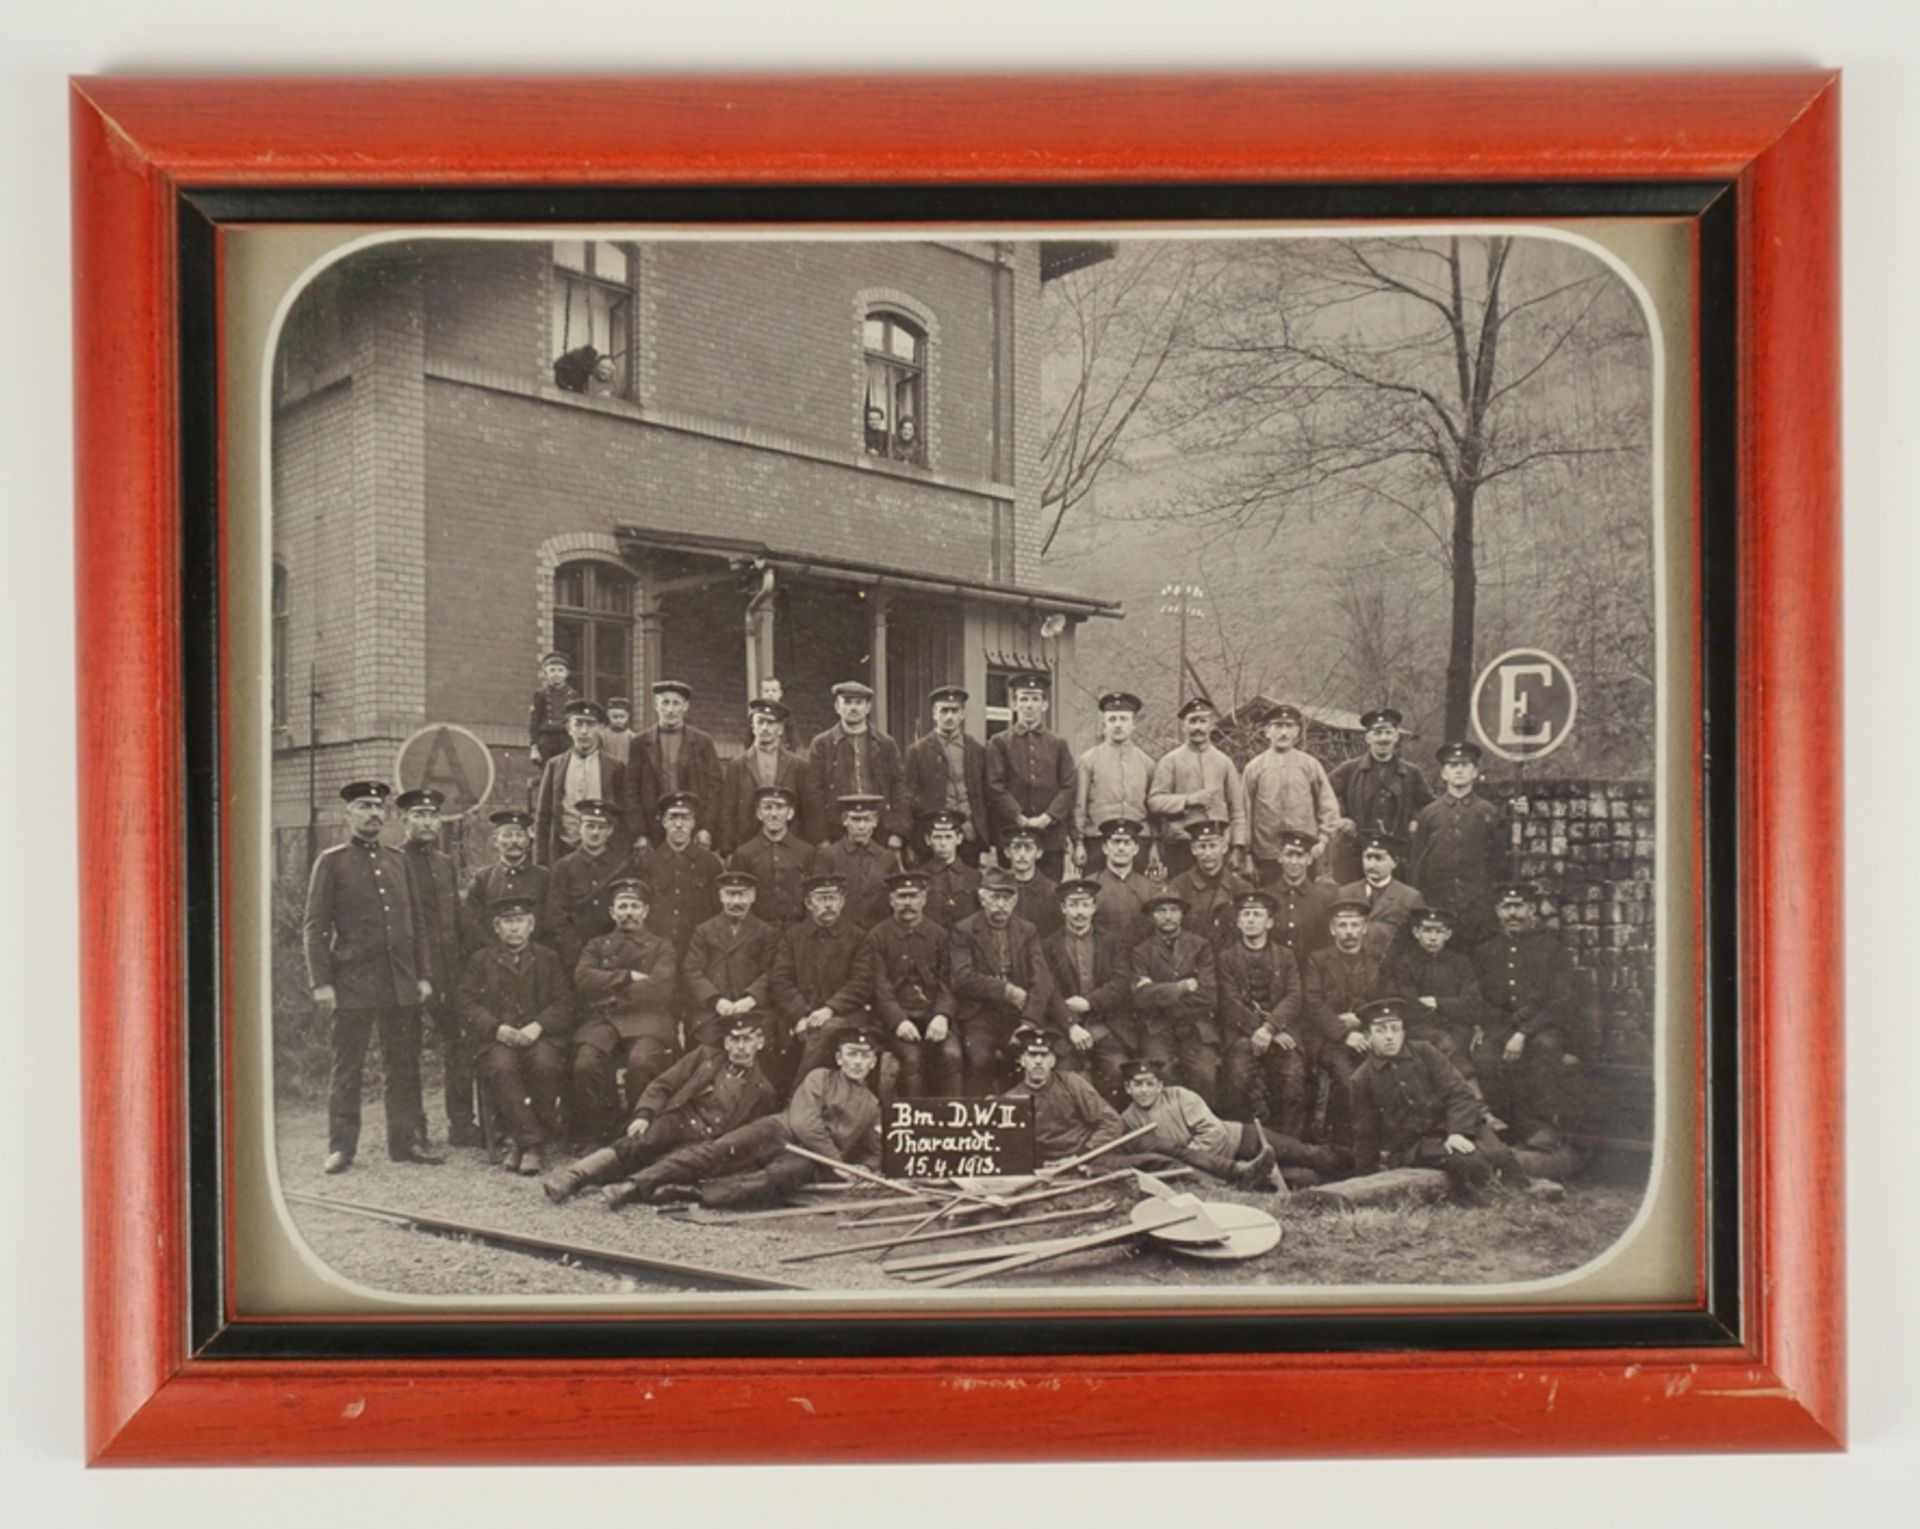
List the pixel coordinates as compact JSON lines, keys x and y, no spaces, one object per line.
{"x":1288,"y":792}
{"x":767,"y":761}
{"x":547,"y":717}
{"x":952,"y":886}
{"x":860,"y":860}
{"x":1441,"y":985}
{"x":946,"y":771}
{"x":685,"y":877}
{"x":583,"y":772}
{"x":1031,"y":775}
{"x":1379,"y":791}
{"x":1335,"y":981}
{"x":1460,"y":845}
{"x":1389,"y":901}
{"x":676,"y":757}
{"x":1184,"y":1126}
{"x":1112,"y":778}
{"x":728,"y":960}
{"x":1039,"y":896}
{"x":1412,"y":1109}
{"x":1194,"y":785}
{"x":1176,"y":989}
{"x":1069,"y":1116}
{"x":777,"y":857}
{"x":436,"y":888}
{"x":516,"y":1011}
{"x":907,"y":963}
{"x":626,"y":980}
{"x":816,"y":985}
{"x":1000,"y":979}
{"x":1124,"y":889}
{"x":1092,"y":988}
{"x":853,"y":757}
{"x":1207,"y":884}
{"x":579,"y":892}
{"x":513,"y":873}
{"x":1536,"y":1023}
{"x":1264,"y":1049}
{"x":368,"y":964}
{"x":1301,"y":898}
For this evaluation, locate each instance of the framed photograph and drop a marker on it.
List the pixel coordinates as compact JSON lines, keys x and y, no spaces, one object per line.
{"x":1041,"y":754}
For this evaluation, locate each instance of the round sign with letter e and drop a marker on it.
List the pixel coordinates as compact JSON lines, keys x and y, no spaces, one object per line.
{"x":452,"y":761}
{"x":1524,"y":704}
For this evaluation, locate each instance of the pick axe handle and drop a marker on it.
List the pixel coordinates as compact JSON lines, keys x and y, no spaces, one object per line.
{"x":1057,"y":1250}
{"x":868,"y":1174}
{"x":1087,"y":1157}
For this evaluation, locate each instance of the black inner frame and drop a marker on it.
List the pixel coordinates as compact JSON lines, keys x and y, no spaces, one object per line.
{"x":200,"y":212}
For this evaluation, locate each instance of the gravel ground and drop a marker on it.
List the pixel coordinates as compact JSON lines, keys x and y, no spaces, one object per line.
{"x":1513,"y":1238}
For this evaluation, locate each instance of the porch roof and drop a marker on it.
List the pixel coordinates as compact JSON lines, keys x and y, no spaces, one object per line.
{"x":748,"y":553}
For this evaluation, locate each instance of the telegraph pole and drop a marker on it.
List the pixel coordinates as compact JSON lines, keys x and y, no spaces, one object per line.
{"x":1182,"y":600}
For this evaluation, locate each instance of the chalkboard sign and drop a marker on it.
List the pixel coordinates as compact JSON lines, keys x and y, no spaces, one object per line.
{"x":957,"y":1138}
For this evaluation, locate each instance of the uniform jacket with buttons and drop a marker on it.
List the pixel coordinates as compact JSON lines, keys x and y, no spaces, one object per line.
{"x":501,"y":988}
{"x":1527,"y":982}
{"x":907,"y":972}
{"x":1210,"y":909}
{"x":1334,"y":983}
{"x":502,"y":880}
{"x":735,"y":822}
{"x":580,"y":898}
{"x":815,"y":968}
{"x":1111,"y":782}
{"x":927,"y":771}
{"x":779,"y":866}
{"x":953,"y":892}
{"x":682,"y":1085}
{"x":1459,"y":853}
{"x":1399,"y":1101}
{"x":363,"y":934}
{"x":686,"y":891}
{"x":832,"y":761}
{"x":609,"y":991}
{"x":866,"y":868}
{"x":1448,"y":978}
{"x":436,"y":893}
{"x":699,"y":762}
{"x":1030,"y":775}
{"x":729,"y":960}
{"x":1110,"y":994}
{"x":1300,"y":919}
{"x":980,"y":977}
{"x":1245,"y":974}
{"x":1161,"y":965}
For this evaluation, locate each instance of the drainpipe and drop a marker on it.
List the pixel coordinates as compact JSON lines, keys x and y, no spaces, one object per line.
{"x":756,"y":617}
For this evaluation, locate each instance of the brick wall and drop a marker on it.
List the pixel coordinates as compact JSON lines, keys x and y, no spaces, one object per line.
{"x":489,"y":304}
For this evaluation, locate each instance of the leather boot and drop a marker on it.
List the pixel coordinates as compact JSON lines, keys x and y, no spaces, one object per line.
{"x":621,"y":1192}
{"x":577,"y":1176}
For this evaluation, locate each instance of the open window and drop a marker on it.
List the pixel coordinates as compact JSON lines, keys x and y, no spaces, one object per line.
{"x":896,"y":388}
{"x":593,"y":317}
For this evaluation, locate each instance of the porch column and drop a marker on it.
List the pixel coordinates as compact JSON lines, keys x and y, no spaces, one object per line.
{"x":646,"y":621}
{"x":877,"y":646}
{"x":973,"y":665}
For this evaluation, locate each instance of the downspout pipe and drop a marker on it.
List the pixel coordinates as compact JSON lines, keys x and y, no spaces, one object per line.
{"x":757,"y":604}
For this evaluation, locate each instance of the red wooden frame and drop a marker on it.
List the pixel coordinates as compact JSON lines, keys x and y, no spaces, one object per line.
{"x":136,"y":142}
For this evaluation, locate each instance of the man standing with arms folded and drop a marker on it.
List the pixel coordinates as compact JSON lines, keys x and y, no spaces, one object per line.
{"x":1288,"y":792}
{"x":1194,"y":785}
{"x":1111,"y":780}
{"x":367,"y":963}
{"x":1031,"y":776}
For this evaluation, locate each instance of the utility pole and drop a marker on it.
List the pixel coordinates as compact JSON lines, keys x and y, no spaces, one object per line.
{"x":1182,"y":600}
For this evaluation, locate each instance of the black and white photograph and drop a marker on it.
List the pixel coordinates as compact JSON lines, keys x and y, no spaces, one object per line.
{"x":1107,"y":764}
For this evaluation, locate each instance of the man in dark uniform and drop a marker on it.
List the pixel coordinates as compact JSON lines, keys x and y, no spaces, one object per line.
{"x":1535,"y":1024}
{"x":832,"y":1114}
{"x":776,"y":858}
{"x":1092,"y":990}
{"x":580,"y":890}
{"x":1031,"y":775}
{"x":1261,"y":997}
{"x":1379,"y":791}
{"x":436,"y":891}
{"x":1069,"y":1116}
{"x":1208,"y":886}
{"x":1000,"y":980}
{"x":859,"y":861}
{"x":952,"y":887}
{"x":728,"y":962}
{"x":1442,"y":987}
{"x":517,"y":1009}
{"x":1176,"y":985}
{"x":367,"y":963}
{"x":907,"y":966}
{"x":701,"y":1097}
{"x":547,"y":717}
{"x":946,"y":771}
{"x":767,"y":761}
{"x":626,"y":981}
{"x":1411,"y":1109}
{"x":1301,"y":900}
{"x":512,"y":874}
{"x":853,"y":757}
{"x":1038,"y":895}
{"x":583,"y":772}
{"x":1390,"y":902}
{"x":1120,"y":907}
{"x":1335,"y":981}
{"x":685,"y":878}
{"x":679,"y":757}
{"x":817,"y":984}
{"x":1460,"y":846}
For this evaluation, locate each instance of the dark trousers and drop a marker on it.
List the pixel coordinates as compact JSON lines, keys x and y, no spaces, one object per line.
{"x":399,"y":1058}
{"x":668,"y":1133}
{"x":983,"y":1046}
{"x":929,"y":1069}
{"x":1291,"y":1152}
{"x":457,"y":1059}
{"x":1199,"y":1061}
{"x":1530,"y":1093}
{"x":598,"y":1049}
{"x":746,"y":1165}
{"x":1338,"y":1061}
{"x":525,"y":1084}
{"x":1467,"y":1172}
{"x":1273,"y":1084}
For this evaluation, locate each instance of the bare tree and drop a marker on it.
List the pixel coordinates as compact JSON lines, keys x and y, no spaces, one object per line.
{"x":1426,"y":378}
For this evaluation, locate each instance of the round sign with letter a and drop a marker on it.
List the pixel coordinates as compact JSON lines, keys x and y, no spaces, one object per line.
{"x":452,"y":761}
{"x":1524,"y":704}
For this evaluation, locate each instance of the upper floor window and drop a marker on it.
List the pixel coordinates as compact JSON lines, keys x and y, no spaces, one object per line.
{"x":896,"y":391}
{"x":592,"y":317}
{"x":593,"y":626}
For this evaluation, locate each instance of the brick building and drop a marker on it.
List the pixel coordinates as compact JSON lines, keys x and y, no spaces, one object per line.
{"x":711,"y":460}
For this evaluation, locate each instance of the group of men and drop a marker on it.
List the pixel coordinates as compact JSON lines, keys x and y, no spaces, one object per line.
{"x":694,"y":971}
